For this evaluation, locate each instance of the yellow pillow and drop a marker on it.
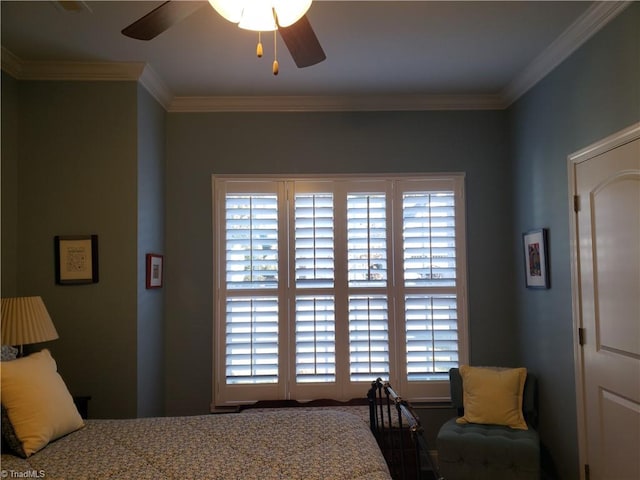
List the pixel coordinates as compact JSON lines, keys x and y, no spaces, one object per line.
{"x":37,"y":401}
{"x":493,"y":396}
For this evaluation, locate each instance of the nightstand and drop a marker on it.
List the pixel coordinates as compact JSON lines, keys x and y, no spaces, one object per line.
{"x":82,"y":404}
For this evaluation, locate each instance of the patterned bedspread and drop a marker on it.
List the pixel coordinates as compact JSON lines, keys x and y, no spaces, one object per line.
{"x":284,"y":445}
{"x":361,"y":411}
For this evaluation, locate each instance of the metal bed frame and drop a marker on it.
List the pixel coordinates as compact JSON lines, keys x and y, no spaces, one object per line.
{"x":402,"y":439}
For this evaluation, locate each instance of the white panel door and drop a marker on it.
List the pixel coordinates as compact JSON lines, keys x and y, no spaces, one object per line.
{"x":608,"y":257}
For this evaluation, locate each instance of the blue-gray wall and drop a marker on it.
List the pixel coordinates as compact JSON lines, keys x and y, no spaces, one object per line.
{"x":70,"y":160}
{"x":200,"y":145}
{"x":77,"y":176}
{"x":150,"y":239}
{"x":595,"y":93}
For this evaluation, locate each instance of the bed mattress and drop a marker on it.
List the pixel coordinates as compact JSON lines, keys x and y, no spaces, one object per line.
{"x":270,"y":445}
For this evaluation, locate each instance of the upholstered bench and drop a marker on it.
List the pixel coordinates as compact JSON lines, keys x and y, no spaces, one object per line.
{"x":473,"y":451}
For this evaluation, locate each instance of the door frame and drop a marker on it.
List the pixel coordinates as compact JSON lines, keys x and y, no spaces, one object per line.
{"x":609,"y":143}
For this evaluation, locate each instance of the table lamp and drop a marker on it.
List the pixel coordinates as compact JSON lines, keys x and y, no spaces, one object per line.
{"x":25,"y":320}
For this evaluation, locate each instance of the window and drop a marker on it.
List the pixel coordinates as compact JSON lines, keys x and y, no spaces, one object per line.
{"x":325,"y":284}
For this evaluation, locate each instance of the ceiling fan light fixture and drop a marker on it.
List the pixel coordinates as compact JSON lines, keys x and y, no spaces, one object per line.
{"x":258,"y":14}
{"x":230,"y":10}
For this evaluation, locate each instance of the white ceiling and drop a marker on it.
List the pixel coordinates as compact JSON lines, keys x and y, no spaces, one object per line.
{"x":479,"y":51}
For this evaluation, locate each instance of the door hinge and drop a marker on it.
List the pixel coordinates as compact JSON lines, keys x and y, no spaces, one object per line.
{"x":576,"y":203}
{"x":581,"y":339}
{"x":587,"y":473}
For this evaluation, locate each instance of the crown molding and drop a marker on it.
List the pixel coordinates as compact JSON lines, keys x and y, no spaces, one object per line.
{"x":73,"y":71}
{"x":156,"y":86}
{"x":584,"y":27}
{"x":153,"y":83}
{"x":88,"y":71}
{"x":590,"y":22}
{"x":335,"y":103}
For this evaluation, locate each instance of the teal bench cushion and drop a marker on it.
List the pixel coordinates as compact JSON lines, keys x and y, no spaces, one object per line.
{"x":474,"y":451}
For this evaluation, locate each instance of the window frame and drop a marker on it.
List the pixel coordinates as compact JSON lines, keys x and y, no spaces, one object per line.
{"x":340,"y":186}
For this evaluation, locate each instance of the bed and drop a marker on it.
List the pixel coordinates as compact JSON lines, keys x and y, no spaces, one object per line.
{"x":269,"y":445}
{"x":48,"y":439}
{"x":392,"y":420}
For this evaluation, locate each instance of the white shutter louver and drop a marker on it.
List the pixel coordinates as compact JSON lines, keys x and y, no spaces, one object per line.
{"x":251,"y":241}
{"x":314,"y":225}
{"x":428,"y":232}
{"x":315,"y":339}
{"x":368,"y":337}
{"x":431,"y":325}
{"x":367,"y":239}
{"x":252,"y":340}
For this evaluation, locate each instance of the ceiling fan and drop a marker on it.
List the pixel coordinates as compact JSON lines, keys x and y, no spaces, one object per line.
{"x":299,"y":37}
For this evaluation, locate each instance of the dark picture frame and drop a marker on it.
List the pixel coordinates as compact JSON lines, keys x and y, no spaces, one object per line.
{"x":155,"y":270}
{"x":76,"y":259}
{"x":536,"y":258}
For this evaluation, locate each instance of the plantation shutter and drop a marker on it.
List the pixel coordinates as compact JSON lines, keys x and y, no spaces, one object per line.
{"x":368,"y":338}
{"x":252,"y":340}
{"x":429,"y":264}
{"x":367,"y":240}
{"x":251,"y":241}
{"x":315,"y":330}
{"x":315,"y":339}
{"x":325,"y":284}
{"x":251,"y":263}
{"x":367,"y":273}
{"x":429,"y":240}
{"x":431,"y":324}
{"x":313,"y":236}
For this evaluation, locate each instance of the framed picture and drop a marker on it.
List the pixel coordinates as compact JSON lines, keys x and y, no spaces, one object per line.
{"x":76,"y":259}
{"x":536,"y":259}
{"x":154,"y":270}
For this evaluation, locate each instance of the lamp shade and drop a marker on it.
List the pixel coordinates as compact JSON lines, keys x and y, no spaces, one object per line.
{"x":259,"y":14}
{"x":25,"y":320}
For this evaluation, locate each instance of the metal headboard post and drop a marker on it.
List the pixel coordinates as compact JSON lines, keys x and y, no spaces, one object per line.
{"x":397,"y":401}
{"x":376,"y":412}
{"x":373,"y":417}
{"x":385,"y":431}
{"x":390,"y":433}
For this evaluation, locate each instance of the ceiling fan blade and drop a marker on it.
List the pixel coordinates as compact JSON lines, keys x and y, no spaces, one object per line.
{"x":160,"y":19}
{"x":302,"y":42}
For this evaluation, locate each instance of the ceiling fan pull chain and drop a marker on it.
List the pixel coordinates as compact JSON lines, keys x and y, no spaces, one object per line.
{"x":276,"y":67}
{"x":259,"y":47}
